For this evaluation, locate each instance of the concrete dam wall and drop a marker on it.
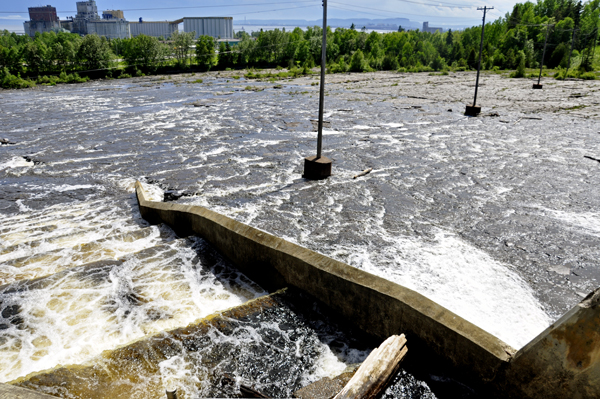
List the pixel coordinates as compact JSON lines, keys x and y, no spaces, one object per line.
{"x":563,"y":361}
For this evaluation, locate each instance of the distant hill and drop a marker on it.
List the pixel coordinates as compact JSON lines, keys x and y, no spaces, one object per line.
{"x":359,"y":23}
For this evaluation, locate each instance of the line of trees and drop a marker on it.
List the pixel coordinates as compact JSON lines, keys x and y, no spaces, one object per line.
{"x":513,"y":42}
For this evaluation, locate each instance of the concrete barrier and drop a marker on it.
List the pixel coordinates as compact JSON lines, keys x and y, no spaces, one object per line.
{"x":562,"y":362}
{"x":375,"y":305}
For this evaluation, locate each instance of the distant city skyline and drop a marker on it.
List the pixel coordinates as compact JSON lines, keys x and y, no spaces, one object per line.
{"x":12,"y":15}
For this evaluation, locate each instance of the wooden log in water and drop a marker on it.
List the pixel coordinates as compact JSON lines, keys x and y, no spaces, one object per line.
{"x":364,"y":172}
{"x":249,"y":392}
{"x":377,"y":370}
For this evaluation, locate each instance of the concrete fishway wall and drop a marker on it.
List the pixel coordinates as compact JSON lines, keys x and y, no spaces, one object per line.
{"x":562,"y":362}
{"x":377,"y":306}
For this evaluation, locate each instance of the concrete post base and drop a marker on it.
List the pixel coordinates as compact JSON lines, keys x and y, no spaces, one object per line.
{"x":317,"y":168}
{"x":473,"y":110}
{"x":537,"y":86}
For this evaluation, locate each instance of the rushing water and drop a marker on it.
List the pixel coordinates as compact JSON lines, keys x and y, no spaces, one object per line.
{"x":495,"y":221}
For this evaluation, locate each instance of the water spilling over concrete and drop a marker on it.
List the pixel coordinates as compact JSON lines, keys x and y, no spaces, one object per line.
{"x":491,"y":217}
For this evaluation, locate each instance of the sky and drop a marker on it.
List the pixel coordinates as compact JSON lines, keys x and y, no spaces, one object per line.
{"x":448,"y":12}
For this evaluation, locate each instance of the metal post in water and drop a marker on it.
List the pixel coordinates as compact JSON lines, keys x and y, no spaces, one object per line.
{"x":319,"y":167}
{"x":172,"y":394}
{"x":474,"y":110}
{"x":538,"y":85}
{"x":322,"y":88}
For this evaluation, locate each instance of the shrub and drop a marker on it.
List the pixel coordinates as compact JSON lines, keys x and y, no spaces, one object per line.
{"x":588,"y":76}
{"x":438,"y":63}
{"x":520,"y":72}
{"x":390,"y":62}
{"x":358,"y":62}
{"x":9,"y":81}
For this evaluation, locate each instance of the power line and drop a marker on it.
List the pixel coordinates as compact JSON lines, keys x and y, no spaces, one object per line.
{"x":190,"y":7}
{"x":389,"y":11}
{"x":276,"y":9}
{"x":439,"y":4}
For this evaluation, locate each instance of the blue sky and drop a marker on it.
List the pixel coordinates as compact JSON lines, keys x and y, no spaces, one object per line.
{"x":453,"y":12}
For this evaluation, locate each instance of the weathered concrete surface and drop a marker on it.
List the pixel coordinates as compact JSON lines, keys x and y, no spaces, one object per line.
{"x":12,"y":392}
{"x":325,"y":388}
{"x":563,"y":361}
{"x":377,"y":306}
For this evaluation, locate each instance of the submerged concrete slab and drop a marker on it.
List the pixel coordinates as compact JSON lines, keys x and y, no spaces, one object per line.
{"x":198,"y":359}
{"x":12,"y":392}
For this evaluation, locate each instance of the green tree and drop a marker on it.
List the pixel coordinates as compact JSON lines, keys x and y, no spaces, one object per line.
{"x":94,"y":53}
{"x":181,"y":44}
{"x":520,"y":71}
{"x":205,"y":52}
{"x":227,"y":56}
{"x":559,"y":57}
{"x":358,"y":62}
{"x":35,"y":55}
{"x":10,"y":58}
{"x":143,"y":52}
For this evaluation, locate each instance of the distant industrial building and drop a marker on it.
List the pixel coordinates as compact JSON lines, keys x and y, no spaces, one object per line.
{"x":426,"y":28}
{"x":87,"y":11}
{"x":113,"y":29}
{"x":41,"y":19}
{"x":217,"y":27}
{"x":154,"y":28}
{"x":113,"y":24}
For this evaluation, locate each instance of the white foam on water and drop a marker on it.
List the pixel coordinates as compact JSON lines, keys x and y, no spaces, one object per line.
{"x":392,"y":124}
{"x":22,"y":206}
{"x":461,"y":278}
{"x":16,"y":162}
{"x":362,"y":127}
{"x":76,"y":160}
{"x":328,"y":365}
{"x":582,"y":222}
{"x":332,"y":132}
{"x":73,"y":317}
{"x":67,"y":187}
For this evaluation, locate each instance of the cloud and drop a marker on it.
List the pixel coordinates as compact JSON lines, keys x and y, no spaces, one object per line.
{"x":12,"y":17}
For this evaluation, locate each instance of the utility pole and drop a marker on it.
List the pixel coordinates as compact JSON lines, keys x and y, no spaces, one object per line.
{"x":538,"y":85}
{"x":570,"y":52}
{"x":474,"y":110}
{"x":319,"y":167}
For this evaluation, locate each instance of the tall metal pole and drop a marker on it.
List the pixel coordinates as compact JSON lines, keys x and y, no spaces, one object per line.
{"x":480,"y":51}
{"x":322,"y":93}
{"x":570,"y":52}
{"x":543,"y":54}
{"x":319,"y":166}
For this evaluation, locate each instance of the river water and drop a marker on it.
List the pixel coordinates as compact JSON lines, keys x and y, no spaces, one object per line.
{"x":496,"y":221}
